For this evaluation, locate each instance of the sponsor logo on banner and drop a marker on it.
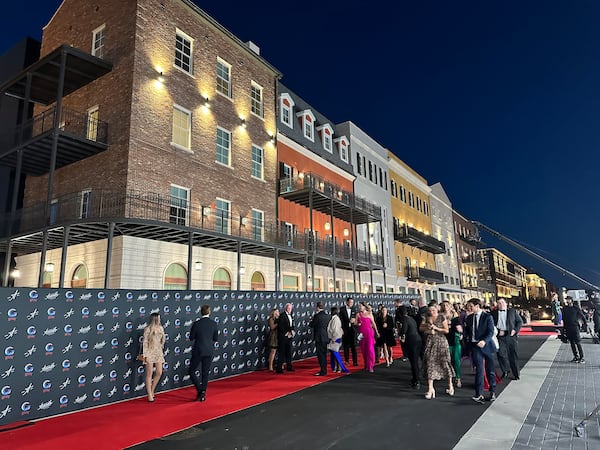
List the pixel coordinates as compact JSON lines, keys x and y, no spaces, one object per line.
{"x":51,"y":311}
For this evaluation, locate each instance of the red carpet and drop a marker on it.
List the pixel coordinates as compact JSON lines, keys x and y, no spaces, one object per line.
{"x":134,"y":421}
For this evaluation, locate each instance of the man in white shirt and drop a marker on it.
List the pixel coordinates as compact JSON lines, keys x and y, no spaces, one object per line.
{"x":508,"y":322}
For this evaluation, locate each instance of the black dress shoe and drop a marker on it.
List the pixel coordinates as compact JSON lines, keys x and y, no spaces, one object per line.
{"x":516,"y":378}
{"x":279,"y":371}
{"x":504,"y":374}
{"x":203,"y":397}
{"x":319,"y":374}
{"x":291,"y":369}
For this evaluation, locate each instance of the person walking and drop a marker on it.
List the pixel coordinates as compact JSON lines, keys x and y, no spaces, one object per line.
{"x":204,"y":334}
{"x":286,"y":331}
{"x":335,"y":333}
{"x":409,"y":335}
{"x":272,"y":339}
{"x":387,"y":340}
{"x":479,"y":333}
{"x":508,"y":322}
{"x":436,"y":356}
{"x":348,"y":319}
{"x":152,"y":350}
{"x":571,"y":316}
{"x":319,"y":324}
{"x":454,"y":338}
{"x":367,"y":332}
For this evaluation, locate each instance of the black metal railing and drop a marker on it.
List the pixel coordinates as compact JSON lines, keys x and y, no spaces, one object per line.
{"x":423,"y":274}
{"x":97,"y":205}
{"x":413,"y":237}
{"x":313,"y":181}
{"x":78,"y":124}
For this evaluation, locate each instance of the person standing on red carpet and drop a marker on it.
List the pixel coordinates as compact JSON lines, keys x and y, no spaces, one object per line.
{"x":286,"y":331}
{"x":204,"y":333}
{"x":152,"y":350}
{"x":319,"y":324}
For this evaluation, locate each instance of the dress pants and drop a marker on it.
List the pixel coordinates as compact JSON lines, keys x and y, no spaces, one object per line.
{"x":284,"y":352}
{"x":349,"y":345}
{"x":322,"y":356}
{"x":507,"y":354}
{"x":201,"y":363}
{"x":483,"y":363}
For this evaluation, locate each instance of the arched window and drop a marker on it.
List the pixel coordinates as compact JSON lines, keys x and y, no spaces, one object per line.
{"x":175,"y":277}
{"x":222,"y":279}
{"x":257,"y":282}
{"x":80,"y":276}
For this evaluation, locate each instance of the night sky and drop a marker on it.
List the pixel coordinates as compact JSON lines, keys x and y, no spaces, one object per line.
{"x":497,"y":100}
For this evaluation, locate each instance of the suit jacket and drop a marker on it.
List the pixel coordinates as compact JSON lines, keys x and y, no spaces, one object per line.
{"x":346,"y":326}
{"x":513,"y":320}
{"x":284,"y":326}
{"x":407,"y":328}
{"x":571,"y":317}
{"x":204,"y":333}
{"x":484,"y":332}
{"x":319,"y":324}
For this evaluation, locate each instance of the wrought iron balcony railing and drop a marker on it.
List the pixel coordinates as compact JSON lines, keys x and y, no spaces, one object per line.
{"x":422,"y":274}
{"x":415,"y":238}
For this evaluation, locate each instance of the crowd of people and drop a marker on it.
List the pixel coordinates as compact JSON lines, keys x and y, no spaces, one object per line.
{"x":435,"y":339}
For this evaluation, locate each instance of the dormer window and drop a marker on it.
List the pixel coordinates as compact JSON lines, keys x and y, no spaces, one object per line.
{"x":342,"y":145}
{"x":307,"y":122}
{"x":286,"y":106}
{"x":326,"y":133}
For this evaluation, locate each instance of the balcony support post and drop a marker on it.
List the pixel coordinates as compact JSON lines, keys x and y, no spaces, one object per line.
{"x":239,"y":265}
{"x":7,"y":260}
{"x":383,"y":255}
{"x":277,"y":269}
{"x":190,"y":250}
{"x":43,"y":258}
{"x":333,"y":243}
{"x":109,"y":245}
{"x":63,"y":257}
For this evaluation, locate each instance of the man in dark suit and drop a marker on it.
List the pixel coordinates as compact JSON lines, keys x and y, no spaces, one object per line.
{"x":509,"y":323}
{"x":285,"y":334}
{"x":479,"y":332}
{"x":204,"y":333}
{"x":410,"y":338}
{"x":319,"y":324}
{"x":348,"y":317}
{"x":572,"y":318}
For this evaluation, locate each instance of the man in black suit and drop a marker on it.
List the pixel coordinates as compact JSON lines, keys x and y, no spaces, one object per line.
{"x":285,"y":333}
{"x":479,"y":333}
{"x":319,"y":324}
{"x":348,"y":318}
{"x":509,"y":323}
{"x":410,"y":338}
{"x":572,"y":317}
{"x":204,"y":333}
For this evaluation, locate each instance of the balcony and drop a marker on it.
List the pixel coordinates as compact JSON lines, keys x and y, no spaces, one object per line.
{"x":424,"y":275}
{"x":415,"y":238}
{"x":471,"y":239}
{"x":152,"y":216}
{"x":79,"y":137}
{"x":470,"y":260}
{"x":311,"y":190}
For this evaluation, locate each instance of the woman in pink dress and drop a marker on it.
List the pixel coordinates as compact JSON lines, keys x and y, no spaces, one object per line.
{"x":368,"y":330}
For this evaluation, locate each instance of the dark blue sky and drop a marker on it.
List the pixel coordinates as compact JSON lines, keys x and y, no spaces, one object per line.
{"x":497,"y":100}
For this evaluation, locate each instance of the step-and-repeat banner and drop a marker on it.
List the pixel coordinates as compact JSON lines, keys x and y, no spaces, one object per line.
{"x":66,"y":350}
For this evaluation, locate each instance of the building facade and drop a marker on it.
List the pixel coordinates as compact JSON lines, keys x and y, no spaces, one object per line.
{"x":506,"y":275}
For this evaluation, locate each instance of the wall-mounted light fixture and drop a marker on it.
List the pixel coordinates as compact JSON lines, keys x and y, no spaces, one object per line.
{"x":50,"y":267}
{"x":161,"y":78}
{"x":327,"y":226}
{"x":244,"y":221}
{"x":309,"y":281}
{"x":243,"y":122}
{"x":242,"y":270}
{"x":346,"y":232}
{"x":272,"y":138}
{"x":198,"y":265}
{"x":16,"y":273}
{"x":301,"y":175}
{"x":206,"y":102}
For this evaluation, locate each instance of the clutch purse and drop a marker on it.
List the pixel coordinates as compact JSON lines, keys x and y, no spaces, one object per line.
{"x":141,"y":357}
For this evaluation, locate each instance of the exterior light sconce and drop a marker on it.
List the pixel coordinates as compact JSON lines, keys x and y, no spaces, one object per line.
{"x":161,"y":78}
{"x":327,"y":226}
{"x":346,"y":232}
{"x":309,"y":281}
{"x":244,"y":221}
{"x":15,"y":273}
{"x":198,"y":265}
{"x":243,"y":122}
{"x":206,"y":102}
{"x":272,"y":138}
{"x":301,"y":175}
{"x":50,"y":267}
{"x":242,"y":270}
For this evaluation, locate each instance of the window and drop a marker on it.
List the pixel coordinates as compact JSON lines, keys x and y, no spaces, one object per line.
{"x":380,"y":177}
{"x":80,"y":276}
{"x":183,"y":51}
{"x":256,"y":99}
{"x":257,"y":162}
{"x":291,"y":283}
{"x":402,"y":194}
{"x":326,"y":133}
{"x":286,"y":105}
{"x":426,"y":208}
{"x":411,"y":199}
{"x":92,"y":123}
{"x":307,"y":120}
{"x":257,"y":225}
{"x":342,"y":145}
{"x":47,"y":281}
{"x":182,"y":127}
{"x":257,"y":283}
{"x":288,"y":232}
{"x":53,"y":211}
{"x":359,"y":165}
{"x":178,"y":211}
{"x":222,"y":280}
{"x":175,"y":277}
{"x":223,"y":78}
{"x":394,"y":189}
{"x":223,"y":146}
{"x":222,"y":222}
{"x":98,"y":42}
{"x":86,"y":203}
{"x":370,"y":171}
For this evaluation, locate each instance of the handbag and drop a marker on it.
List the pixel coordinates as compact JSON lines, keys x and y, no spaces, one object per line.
{"x":141,"y":358}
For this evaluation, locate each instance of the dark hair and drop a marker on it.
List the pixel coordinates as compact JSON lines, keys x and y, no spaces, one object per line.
{"x":402,"y":310}
{"x":205,"y":310}
{"x":334,"y":310}
{"x":320,"y":305}
{"x":474,"y":301}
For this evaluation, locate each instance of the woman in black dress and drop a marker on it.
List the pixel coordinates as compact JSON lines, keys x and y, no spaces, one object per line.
{"x":386,"y":340}
{"x":411,"y":338}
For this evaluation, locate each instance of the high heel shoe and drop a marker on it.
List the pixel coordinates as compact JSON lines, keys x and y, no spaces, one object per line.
{"x":458,"y":383}
{"x":429,"y":395}
{"x":450,"y":392}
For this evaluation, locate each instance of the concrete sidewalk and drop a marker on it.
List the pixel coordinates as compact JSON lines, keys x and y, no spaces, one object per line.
{"x":541,"y":410}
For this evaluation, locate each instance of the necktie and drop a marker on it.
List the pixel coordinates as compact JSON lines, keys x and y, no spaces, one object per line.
{"x":475,"y":324}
